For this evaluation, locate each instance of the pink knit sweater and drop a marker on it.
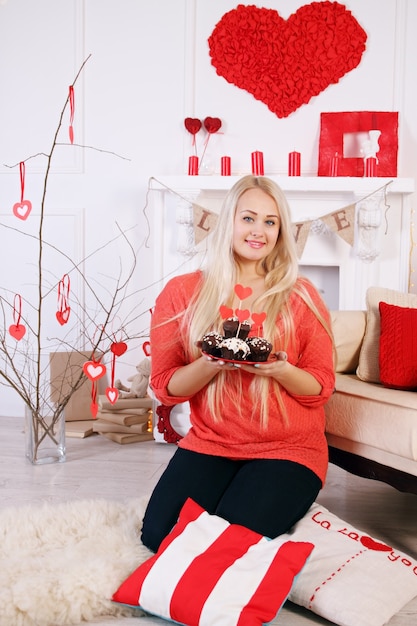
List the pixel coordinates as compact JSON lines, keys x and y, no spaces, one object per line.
{"x":238,"y":435}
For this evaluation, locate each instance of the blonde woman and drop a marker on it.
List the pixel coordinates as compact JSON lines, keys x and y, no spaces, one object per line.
{"x":256,"y":452}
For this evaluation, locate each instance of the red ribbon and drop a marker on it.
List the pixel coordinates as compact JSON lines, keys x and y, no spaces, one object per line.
{"x":63,"y":312}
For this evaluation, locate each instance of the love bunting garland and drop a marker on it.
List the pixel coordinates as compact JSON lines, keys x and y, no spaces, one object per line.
{"x":23,"y":208}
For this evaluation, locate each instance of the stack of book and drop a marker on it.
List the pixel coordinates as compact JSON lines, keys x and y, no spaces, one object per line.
{"x":126,"y":421}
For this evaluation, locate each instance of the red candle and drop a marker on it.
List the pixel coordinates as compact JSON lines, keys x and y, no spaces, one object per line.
{"x":193,"y":166}
{"x":257,"y":163}
{"x":225,"y":166}
{"x":294,"y":164}
{"x":370,"y":166}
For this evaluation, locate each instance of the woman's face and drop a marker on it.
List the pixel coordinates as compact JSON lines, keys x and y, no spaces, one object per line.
{"x":256,"y":226}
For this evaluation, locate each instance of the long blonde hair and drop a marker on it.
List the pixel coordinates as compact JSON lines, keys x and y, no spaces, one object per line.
{"x":220,"y":276}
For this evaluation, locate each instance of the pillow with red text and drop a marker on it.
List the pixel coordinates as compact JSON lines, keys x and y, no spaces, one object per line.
{"x":351,"y":579}
{"x":208,"y":571}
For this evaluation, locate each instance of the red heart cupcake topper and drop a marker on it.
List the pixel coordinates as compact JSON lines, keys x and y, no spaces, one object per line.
{"x":225,"y":311}
{"x":259,"y":318}
{"x":243,"y":292}
{"x":242,"y":315}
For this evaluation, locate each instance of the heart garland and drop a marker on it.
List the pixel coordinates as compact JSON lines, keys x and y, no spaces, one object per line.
{"x":284,"y":63}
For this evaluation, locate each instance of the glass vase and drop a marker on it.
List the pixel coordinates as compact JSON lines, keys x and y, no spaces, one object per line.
{"x":45,"y":434}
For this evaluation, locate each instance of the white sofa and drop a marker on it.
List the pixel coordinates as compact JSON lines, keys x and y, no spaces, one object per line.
{"x":371,"y":429}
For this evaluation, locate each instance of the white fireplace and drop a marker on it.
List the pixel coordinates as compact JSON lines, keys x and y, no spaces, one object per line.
{"x":382,"y":227}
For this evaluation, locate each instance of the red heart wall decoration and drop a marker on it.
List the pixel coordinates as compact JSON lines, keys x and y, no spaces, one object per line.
{"x":284,"y":63}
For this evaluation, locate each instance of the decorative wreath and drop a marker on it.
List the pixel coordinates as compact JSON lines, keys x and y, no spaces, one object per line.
{"x":284,"y":63}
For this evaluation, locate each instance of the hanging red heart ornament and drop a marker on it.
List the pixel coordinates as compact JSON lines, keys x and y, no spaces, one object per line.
{"x":225,"y":312}
{"x":192,"y":124}
{"x":146,"y":347}
{"x":94,"y":409}
{"x":118,"y":348}
{"x":259,"y":318}
{"x":112,"y":394}
{"x":243,"y":292}
{"x":63,"y":316}
{"x":242,"y":315}
{"x":212,"y":124}
{"x":17,"y":331}
{"x":22,"y":209}
{"x":94,"y":370}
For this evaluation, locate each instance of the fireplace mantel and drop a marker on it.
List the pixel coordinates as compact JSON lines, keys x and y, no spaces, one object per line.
{"x":309,"y":198}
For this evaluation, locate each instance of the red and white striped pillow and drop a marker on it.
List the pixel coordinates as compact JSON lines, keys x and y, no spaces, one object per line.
{"x":207,"y":568}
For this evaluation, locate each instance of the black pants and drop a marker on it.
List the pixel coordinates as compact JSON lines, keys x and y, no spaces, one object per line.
{"x":265,"y":495}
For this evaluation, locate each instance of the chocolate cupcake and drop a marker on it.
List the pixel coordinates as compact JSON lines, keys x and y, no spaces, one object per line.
{"x":230,"y":327}
{"x":259,"y":349}
{"x":243,"y":329}
{"x":210,"y":344}
{"x":234,"y":349}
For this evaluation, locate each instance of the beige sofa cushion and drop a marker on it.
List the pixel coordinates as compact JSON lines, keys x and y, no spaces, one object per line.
{"x":348,"y":331}
{"x":368,"y":368}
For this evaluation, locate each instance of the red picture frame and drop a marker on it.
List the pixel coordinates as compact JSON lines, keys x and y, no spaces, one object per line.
{"x":335,"y":127}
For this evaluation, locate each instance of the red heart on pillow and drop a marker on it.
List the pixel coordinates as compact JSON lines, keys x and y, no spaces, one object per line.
{"x":212,"y":124}
{"x":371,"y":544}
{"x":284,"y":63}
{"x":192,"y":124}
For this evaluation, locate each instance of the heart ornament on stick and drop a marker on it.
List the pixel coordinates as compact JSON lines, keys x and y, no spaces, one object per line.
{"x":243,"y":292}
{"x":297,"y":58}
{"x":225,"y":312}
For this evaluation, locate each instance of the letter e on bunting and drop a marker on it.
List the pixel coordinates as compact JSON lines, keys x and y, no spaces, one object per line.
{"x":342,"y":222}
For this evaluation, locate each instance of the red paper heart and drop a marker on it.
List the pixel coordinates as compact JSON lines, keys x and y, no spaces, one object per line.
{"x":286,"y":62}
{"x":94,"y":409}
{"x":259,"y":318}
{"x":94,"y":370}
{"x":146,"y":347}
{"x":371,"y":544}
{"x":212,"y":124}
{"x":112,"y":394}
{"x":225,"y":312}
{"x":63,"y":316}
{"x":242,"y":315}
{"x":192,"y":124}
{"x":22,"y":209}
{"x":118,"y":348}
{"x":17,"y":331}
{"x":242,"y":292}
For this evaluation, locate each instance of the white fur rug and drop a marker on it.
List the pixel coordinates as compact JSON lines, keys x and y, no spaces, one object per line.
{"x":60,"y":564}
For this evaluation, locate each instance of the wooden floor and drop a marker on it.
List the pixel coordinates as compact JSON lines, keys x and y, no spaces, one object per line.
{"x":96,"y":467}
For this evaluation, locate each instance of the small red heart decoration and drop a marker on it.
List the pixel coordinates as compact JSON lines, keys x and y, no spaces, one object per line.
{"x":242,"y":315}
{"x":146,"y":347}
{"x":242,"y":292}
{"x":17,"y":331}
{"x":94,"y":409}
{"x":212,"y":124}
{"x":112,"y":394}
{"x":371,"y":544}
{"x":94,"y":370}
{"x":297,"y":58}
{"x":192,"y":124}
{"x":63,"y":316}
{"x":118,"y":348}
{"x":225,"y":312}
{"x":22,"y":209}
{"x":259,"y":318}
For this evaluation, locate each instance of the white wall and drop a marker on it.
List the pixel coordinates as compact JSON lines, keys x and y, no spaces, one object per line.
{"x":149,"y":69}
